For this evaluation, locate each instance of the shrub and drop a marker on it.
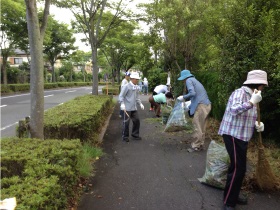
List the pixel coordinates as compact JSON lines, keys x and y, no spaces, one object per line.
{"x":40,"y":174}
{"x":112,"y":90}
{"x":79,"y":118}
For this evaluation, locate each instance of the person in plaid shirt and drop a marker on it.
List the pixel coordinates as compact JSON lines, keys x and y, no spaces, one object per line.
{"x":237,"y":127}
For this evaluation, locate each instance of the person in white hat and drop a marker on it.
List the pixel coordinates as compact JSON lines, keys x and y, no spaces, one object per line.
{"x":129,"y":99}
{"x":199,"y":108}
{"x":237,"y":127}
{"x":125,"y":81}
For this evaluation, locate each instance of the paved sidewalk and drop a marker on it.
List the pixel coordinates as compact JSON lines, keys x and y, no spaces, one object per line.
{"x":155,"y":173}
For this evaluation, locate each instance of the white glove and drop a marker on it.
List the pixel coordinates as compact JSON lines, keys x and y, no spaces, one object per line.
{"x":256,"y":97}
{"x":180,"y":98}
{"x":187,"y":105}
{"x":142,"y":106}
{"x":122,"y":106}
{"x":259,"y":127}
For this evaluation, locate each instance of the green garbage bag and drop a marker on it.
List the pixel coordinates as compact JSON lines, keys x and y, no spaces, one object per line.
{"x":217,"y":163}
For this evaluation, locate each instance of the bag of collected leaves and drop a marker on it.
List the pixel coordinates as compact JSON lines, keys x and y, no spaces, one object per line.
{"x":178,"y":119}
{"x":217,"y":163}
{"x":165,"y":113}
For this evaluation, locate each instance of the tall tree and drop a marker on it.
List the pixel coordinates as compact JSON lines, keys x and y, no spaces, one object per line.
{"x":89,"y":14}
{"x":121,"y":47}
{"x":59,"y":43}
{"x":36,"y":32}
{"x":13,"y":31}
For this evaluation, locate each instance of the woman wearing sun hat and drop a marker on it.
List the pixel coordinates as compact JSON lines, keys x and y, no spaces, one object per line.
{"x":199,"y":108}
{"x":237,"y":127}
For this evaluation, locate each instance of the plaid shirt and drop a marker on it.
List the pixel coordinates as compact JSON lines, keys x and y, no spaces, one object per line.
{"x":240,"y":116}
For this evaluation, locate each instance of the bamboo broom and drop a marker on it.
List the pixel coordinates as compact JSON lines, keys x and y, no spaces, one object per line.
{"x":265,"y":178}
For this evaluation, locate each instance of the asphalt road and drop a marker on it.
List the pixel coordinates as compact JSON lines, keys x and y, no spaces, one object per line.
{"x":17,"y":107}
{"x":155,"y":173}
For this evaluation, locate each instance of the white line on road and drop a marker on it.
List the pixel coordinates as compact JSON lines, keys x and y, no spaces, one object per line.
{"x":48,"y":96}
{"x":15,"y":96}
{"x":3,"y":106}
{"x":9,"y":126}
{"x":70,"y":91}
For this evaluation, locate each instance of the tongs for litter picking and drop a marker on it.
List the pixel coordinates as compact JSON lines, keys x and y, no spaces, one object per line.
{"x":125,"y":120}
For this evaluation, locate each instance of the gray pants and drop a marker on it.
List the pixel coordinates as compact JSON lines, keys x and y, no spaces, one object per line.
{"x":135,"y":127}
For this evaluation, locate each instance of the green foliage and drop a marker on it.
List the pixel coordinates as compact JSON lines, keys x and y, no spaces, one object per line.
{"x":51,"y":85}
{"x":5,"y":89}
{"x":156,"y":77}
{"x":211,"y":82}
{"x":89,"y":154}
{"x":249,"y":39}
{"x":19,"y":87}
{"x":163,"y":78}
{"x":13,"y":74}
{"x":79,"y":118}
{"x":112,"y":90}
{"x":40,"y":174}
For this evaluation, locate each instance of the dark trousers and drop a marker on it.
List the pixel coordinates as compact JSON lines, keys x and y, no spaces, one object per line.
{"x":133,"y":115}
{"x":155,"y":105}
{"x":237,"y":150}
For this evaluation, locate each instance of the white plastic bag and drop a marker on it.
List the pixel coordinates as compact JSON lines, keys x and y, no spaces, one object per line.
{"x":177,"y":120}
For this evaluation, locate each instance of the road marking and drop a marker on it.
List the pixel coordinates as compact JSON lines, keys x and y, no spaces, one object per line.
{"x":9,"y":126}
{"x":48,"y":96}
{"x":15,"y":95}
{"x":3,"y":106}
{"x":71,"y":91}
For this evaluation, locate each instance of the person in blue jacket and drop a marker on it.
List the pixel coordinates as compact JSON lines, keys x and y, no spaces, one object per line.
{"x":199,"y":108}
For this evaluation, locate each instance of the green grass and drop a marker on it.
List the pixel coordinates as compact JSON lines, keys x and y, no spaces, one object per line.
{"x":89,"y":155}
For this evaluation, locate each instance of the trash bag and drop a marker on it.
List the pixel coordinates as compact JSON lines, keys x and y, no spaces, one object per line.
{"x":177,"y":120}
{"x":165,"y":112}
{"x":217,"y":163}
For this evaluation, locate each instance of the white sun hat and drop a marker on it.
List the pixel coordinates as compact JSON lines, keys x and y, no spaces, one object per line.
{"x":134,"y":75}
{"x":256,"y":77}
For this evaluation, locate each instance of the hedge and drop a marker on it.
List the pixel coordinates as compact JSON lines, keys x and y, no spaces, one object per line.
{"x":112,"y":90}
{"x":10,"y":88}
{"x":41,"y":174}
{"x":80,"y":118}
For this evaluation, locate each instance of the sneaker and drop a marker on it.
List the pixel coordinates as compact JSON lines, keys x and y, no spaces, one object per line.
{"x":120,"y":116}
{"x":195,"y":149}
{"x":136,"y":137}
{"x":126,"y":139}
{"x":226,"y":207}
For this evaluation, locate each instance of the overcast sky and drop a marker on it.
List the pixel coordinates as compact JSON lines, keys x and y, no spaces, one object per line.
{"x":65,"y":16}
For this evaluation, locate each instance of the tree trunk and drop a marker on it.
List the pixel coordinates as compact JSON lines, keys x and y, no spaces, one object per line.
{"x":53,"y":73}
{"x":36,"y":35}
{"x":94,"y":71}
{"x":4,"y":70}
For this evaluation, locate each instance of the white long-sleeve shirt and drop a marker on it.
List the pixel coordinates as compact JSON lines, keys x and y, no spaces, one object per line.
{"x":130,"y":96}
{"x":161,"y":89}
